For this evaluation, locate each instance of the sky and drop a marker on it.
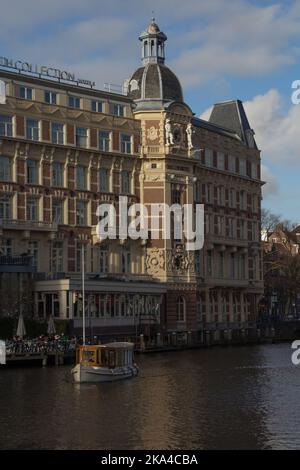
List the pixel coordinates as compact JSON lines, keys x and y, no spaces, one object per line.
{"x":219,"y":49}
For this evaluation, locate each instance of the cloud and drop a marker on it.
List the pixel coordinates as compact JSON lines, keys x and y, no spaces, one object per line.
{"x":207,"y":40}
{"x":242,"y":40}
{"x":271,"y":187}
{"x":276,"y":126}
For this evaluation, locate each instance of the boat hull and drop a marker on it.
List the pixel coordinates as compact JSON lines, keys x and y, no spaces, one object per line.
{"x":82,"y":373}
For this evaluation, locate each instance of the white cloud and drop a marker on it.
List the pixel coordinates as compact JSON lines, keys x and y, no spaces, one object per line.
{"x":276,"y":126}
{"x":207,"y":40}
{"x":241,"y":40}
{"x":271,"y":187}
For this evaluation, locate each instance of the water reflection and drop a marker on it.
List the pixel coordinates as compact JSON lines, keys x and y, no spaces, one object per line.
{"x":218,"y":398}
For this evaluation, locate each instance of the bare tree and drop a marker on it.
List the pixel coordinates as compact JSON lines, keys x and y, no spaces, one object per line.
{"x":269,"y":221}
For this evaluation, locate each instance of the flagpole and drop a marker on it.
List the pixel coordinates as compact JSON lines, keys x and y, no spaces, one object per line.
{"x":83,"y":294}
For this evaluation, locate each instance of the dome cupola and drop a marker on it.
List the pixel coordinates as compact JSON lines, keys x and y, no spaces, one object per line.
{"x":153,"y":86}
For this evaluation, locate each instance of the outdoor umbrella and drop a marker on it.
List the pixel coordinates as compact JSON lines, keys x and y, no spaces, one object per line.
{"x":21,"y":330}
{"x":51,"y":326}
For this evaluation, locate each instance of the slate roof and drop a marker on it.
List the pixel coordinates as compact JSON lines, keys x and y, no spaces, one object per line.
{"x":231,"y":115}
{"x":156,"y":82}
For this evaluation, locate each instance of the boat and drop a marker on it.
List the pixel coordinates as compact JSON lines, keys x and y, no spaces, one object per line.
{"x":104,"y":363}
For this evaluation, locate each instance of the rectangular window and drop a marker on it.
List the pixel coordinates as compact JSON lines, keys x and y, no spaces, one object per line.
{"x":32,"y":129}
{"x":221,"y":160}
{"x":243,"y":266}
{"x":197,"y":262}
{"x":254,"y":170}
{"x":103,"y":260}
{"x":25,"y":92}
{"x":231,"y":198}
{"x":242,"y":167}
{"x":231,"y":223}
{"x":118,"y":110}
{"x":220,"y":195}
{"x":57,"y":133}
{"x":243,"y":200}
{"x":81,"y":213}
{"x":5,"y":247}
{"x":219,"y":222}
{"x":57,"y":174}
{"x":125,"y":182}
{"x":57,"y":253}
{"x":208,"y":193}
{"x":255,"y":233}
{"x":57,"y":211}
{"x":81,"y":137}
{"x":104,"y":141}
{"x":97,"y":106}
{"x":32,"y":209}
{"x":232,"y":265}
{"x":32,"y":172}
{"x":231,"y":164}
{"x":6,"y":126}
{"x":207,"y":226}
{"x":104,"y":180}
{"x":221,"y":264}
{"x":255,"y":203}
{"x":125,"y":261}
{"x":74,"y":102}
{"x":5,"y":207}
{"x":208,"y":157}
{"x":197,"y":191}
{"x":33,"y":251}
{"x":125,"y":143}
{"x":209,"y":263}
{"x":5,"y":168}
{"x":176,"y":196}
{"x":81,"y":177}
{"x":50,"y":97}
{"x":242,"y":229}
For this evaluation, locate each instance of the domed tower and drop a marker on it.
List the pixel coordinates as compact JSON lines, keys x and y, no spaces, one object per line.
{"x":154,"y":86}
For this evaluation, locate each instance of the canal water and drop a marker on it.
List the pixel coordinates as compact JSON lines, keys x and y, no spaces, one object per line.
{"x":219,"y":398}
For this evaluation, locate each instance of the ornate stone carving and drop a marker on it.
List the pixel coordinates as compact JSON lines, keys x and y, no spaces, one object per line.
{"x":178,"y":260}
{"x":155,"y":261}
{"x":152,"y":133}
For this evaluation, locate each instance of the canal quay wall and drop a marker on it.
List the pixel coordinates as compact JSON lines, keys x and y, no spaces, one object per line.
{"x":176,"y":341}
{"x":262,"y":334}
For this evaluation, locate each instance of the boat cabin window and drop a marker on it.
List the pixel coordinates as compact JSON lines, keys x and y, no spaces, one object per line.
{"x":88,"y":355}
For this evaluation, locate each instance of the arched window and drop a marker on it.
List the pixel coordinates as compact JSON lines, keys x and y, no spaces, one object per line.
{"x":152,"y":48}
{"x":145,"y":48}
{"x":180,"y":309}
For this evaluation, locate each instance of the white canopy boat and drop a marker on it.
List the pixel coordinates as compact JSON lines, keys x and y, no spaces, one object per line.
{"x":102,"y":363}
{"x":105,"y":363}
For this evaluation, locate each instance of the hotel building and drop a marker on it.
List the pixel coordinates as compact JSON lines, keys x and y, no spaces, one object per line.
{"x":65,"y":148}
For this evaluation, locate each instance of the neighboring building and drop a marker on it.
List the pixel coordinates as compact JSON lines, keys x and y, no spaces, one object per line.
{"x":65,"y":149}
{"x":281,"y":268}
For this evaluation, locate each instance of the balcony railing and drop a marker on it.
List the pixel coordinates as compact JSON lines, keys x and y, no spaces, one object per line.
{"x":15,"y":260}
{"x":38,"y":225}
{"x":16,"y":264}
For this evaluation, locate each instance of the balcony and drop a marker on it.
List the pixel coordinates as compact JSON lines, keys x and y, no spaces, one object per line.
{"x":16,"y":264}
{"x":37,"y":226}
{"x":226,"y":241}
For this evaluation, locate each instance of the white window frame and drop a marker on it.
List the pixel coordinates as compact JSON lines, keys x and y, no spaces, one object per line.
{"x":52,"y":97}
{"x":59,"y":134}
{"x":32,"y":132}
{"x":6,"y":125}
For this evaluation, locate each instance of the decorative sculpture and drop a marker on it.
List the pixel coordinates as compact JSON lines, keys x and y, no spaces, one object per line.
{"x":189,"y":133}
{"x":169,"y":133}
